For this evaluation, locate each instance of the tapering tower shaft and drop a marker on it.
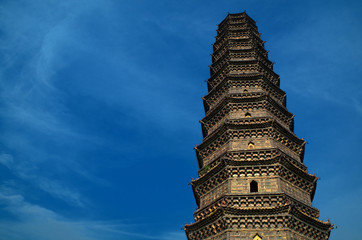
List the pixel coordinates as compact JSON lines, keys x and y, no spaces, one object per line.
{"x":252,"y":181}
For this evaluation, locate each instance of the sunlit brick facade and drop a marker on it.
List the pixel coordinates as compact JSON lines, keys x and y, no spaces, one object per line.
{"x":252,"y":182}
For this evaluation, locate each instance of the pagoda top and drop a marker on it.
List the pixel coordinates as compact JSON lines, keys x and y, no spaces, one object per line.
{"x":236,"y":15}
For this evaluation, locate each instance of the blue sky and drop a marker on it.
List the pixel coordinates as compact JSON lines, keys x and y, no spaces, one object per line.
{"x":100,"y":102}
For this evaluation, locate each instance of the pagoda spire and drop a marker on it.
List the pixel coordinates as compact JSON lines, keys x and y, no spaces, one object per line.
{"x":252,"y":181}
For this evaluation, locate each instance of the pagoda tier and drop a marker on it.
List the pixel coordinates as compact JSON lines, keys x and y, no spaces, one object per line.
{"x":245,"y":48}
{"x":277,"y":222}
{"x":238,"y":136}
{"x":274,"y":175}
{"x":247,"y":107}
{"x":238,"y":55}
{"x":249,"y":68}
{"x":244,"y":86}
{"x":252,"y":181}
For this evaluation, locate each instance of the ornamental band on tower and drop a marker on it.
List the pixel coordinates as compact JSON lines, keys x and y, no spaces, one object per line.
{"x":252,"y":181}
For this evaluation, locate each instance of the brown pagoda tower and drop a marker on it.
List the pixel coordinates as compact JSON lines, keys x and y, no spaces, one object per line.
{"x":252,"y":182}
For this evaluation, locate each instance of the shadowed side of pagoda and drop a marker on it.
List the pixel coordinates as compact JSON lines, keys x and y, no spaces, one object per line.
{"x":252,"y":181}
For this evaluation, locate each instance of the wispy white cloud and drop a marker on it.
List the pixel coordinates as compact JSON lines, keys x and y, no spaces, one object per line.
{"x":34,"y":222}
{"x":38,"y":223}
{"x":36,"y":39}
{"x":42,"y":139}
{"x":6,"y":160}
{"x":27,"y":171}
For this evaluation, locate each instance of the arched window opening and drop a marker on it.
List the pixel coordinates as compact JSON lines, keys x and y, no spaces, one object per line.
{"x":257,"y":237}
{"x":253,"y":186}
{"x":245,"y":90}
{"x":247,"y":115}
{"x":251,"y":145}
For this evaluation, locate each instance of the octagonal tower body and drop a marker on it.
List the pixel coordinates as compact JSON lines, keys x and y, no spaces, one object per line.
{"x":252,"y":181}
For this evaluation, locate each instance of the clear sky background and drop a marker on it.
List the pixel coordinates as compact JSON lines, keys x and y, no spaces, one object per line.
{"x":100,"y":102}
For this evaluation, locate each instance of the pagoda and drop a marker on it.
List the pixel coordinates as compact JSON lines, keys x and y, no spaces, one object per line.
{"x":252,"y":182}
